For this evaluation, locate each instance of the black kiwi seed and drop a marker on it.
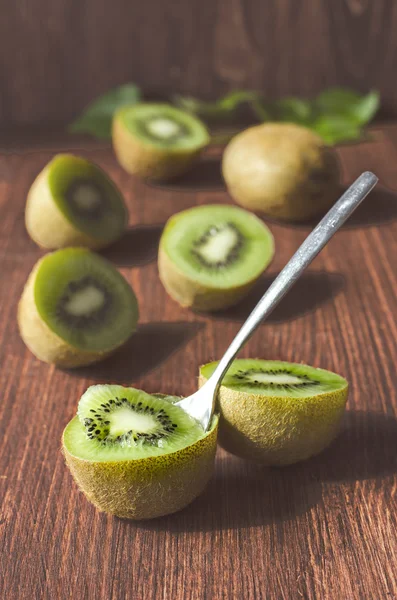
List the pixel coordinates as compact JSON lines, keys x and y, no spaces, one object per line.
{"x":233,"y":253}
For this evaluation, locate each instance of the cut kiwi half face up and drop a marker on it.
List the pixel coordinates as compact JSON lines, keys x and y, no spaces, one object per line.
{"x":276,"y":412}
{"x":157,"y":141}
{"x":137,"y":455}
{"x":211,"y":256}
{"x":76,"y":308}
{"x":73,"y":202}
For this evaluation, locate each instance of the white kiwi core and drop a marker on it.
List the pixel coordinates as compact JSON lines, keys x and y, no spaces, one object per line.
{"x":125,"y":419}
{"x":218,"y":245}
{"x":86,"y":197}
{"x":85,"y":301}
{"x":280,"y":378}
{"x":163,"y":128}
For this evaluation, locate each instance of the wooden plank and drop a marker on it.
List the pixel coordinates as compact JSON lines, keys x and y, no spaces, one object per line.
{"x":58,"y":56}
{"x":321,"y":529}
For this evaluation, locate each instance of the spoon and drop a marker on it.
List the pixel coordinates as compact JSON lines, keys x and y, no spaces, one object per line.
{"x":201,"y":404}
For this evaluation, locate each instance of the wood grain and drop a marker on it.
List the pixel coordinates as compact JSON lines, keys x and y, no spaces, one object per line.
{"x":321,"y":529}
{"x":57,"y":56}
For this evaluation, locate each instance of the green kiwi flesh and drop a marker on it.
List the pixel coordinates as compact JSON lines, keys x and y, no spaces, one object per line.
{"x":275,"y":412}
{"x":137,"y":455}
{"x":211,"y":256}
{"x":76,"y":308}
{"x":73,"y":202}
{"x":157,"y":141}
{"x":282,"y":170}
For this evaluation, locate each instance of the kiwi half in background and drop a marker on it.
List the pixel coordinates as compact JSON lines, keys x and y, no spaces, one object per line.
{"x":73,"y":202}
{"x":211,"y":256}
{"x":135,"y":455}
{"x":76,"y":308}
{"x":278,"y":413}
{"x":157,"y":141}
{"x":283,"y":170}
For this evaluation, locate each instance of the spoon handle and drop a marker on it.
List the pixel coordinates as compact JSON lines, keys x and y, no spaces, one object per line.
{"x":302,"y":258}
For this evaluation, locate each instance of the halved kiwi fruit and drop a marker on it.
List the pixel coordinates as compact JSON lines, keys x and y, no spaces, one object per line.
{"x":283,"y":170}
{"x":135,"y":455}
{"x":211,"y":256}
{"x":76,"y":308}
{"x":275,"y":412}
{"x":73,"y":202}
{"x":157,"y":141}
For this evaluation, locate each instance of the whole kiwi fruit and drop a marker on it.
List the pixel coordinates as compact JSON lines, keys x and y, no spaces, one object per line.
{"x":282,"y":170}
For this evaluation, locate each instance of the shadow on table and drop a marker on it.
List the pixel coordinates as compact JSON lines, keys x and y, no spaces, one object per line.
{"x":243,"y":494}
{"x":146,"y":350}
{"x":379,"y":208}
{"x":137,"y":247}
{"x":365,"y":449}
{"x":313,"y":289}
{"x":204,"y":175}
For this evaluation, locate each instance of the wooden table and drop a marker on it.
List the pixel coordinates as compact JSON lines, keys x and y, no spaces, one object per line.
{"x":325,"y":528}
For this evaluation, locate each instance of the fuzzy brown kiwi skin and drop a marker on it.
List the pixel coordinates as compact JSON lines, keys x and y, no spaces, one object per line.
{"x":302,"y":184}
{"x":261,"y":429}
{"x":191,"y":294}
{"x":43,"y":342}
{"x":147,"y":161}
{"x":150,"y":487}
{"x":46,"y":224}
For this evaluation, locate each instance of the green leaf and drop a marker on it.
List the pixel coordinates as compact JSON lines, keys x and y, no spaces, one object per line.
{"x":336,"y":129}
{"x":293,"y":110}
{"x":232,"y":100}
{"x":348,"y":104}
{"x":222,"y":109}
{"x":259,"y":108}
{"x":367,"y":107}
{"x":97,"y":117}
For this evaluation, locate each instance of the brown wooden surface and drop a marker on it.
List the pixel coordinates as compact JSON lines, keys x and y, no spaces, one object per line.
{"x":321,"y":529}
{"x":57,"y":55}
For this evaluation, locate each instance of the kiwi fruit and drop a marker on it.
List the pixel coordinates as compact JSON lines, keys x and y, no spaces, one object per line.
{"x":76,"y":308}
{"x":157,"y":141}
{"x":282,"y":170}
{"x":136,"y":455}
{"x":211,"y":256}
{"x":73,"y":202}
{"x":277,"y":413}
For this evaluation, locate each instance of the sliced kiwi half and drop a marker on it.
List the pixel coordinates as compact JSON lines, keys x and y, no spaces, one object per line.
{"x":157,"y":141}
{"x":275,"y":412}
{"x":211,"y":256}
{"x":283,"y":170}
{"x":136,"y":455}
{"x":73,"y":202}
{"x":76,"y":308}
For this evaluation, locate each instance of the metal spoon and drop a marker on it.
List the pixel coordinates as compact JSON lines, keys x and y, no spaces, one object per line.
{"x":201,"y":404}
